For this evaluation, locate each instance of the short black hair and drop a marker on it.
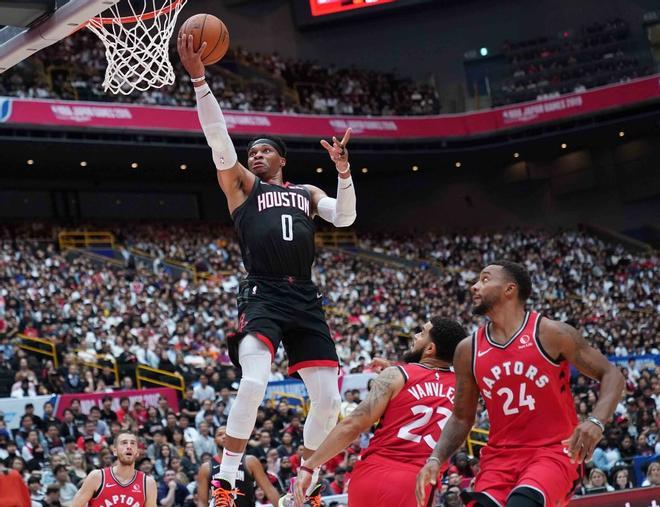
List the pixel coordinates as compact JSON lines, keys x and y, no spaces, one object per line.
{"x":446,"y":334}
{"x":58,"y":468}
{"x":519,"y":275}
{"x":277,"y":142}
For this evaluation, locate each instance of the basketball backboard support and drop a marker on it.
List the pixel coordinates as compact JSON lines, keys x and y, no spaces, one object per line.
{"x":17,"y":44}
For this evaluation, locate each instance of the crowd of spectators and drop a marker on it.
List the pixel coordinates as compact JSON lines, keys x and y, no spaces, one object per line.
{"x":598,"y":54}
{"x":74,"y":69}
{"x":181,"y":325}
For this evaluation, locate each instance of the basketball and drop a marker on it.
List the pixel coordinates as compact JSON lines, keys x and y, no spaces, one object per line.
{"x":207,"y":28}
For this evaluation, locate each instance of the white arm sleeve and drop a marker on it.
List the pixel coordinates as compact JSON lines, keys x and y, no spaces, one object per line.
{"x":340,"y":211}
{"x":215,"y":129}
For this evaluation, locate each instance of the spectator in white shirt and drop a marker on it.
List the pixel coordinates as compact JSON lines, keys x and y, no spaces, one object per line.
{"x":203,"y":391}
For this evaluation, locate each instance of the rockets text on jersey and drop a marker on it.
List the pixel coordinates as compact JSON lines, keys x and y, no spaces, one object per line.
{"x":415,"y":417}
{"x":114,"y":493}
{"x":276,"y":230}
{"x":527,"y":393}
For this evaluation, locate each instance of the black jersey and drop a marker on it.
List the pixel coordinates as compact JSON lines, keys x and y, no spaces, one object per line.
{"x":276,"y":231}
{"x":244,"y":483}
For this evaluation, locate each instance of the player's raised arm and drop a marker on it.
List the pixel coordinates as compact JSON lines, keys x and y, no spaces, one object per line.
{"x":562,"y":340}
{"x":257,"y":471}
{"x":87,"y":490}
{"x":340,"y":211}
{"x":459,"y":424}
{"x":234,"y":179}
{"x":384,"y":388}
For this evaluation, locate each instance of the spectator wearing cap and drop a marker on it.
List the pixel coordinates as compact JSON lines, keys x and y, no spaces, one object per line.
{"x":54,"y":443}
{"x":67,"y":489}
{"x":107,"y":414}
{"x":190,"y":406}
{"x":52,"y":497}
{"x":36,"y":491}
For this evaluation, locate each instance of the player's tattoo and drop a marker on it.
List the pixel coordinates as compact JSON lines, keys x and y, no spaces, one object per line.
{"x":381,"y":387}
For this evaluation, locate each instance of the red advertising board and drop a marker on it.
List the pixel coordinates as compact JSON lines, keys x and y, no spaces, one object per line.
{"x":147,"y":397}
{"x":116,"y":116}
{"x":323,"y":7}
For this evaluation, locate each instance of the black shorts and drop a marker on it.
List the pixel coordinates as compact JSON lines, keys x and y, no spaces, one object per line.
{"x":283,"y":310}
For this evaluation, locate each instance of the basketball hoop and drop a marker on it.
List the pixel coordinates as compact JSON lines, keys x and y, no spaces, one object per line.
{"x":137,"y":46}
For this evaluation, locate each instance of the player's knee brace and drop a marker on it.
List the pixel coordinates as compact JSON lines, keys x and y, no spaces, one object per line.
{"x":323,"y":391}
{"x":255,"y":359}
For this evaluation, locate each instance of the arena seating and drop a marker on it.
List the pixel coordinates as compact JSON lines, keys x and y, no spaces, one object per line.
{"x":145,"y":316}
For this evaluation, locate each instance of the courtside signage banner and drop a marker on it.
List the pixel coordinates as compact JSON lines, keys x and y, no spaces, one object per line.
{"x":111,"y":116}
{"x":148,"y":398}
{"x":14,"y":408}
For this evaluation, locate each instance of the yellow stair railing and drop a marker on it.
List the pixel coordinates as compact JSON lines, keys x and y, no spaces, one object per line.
{"x":149,"y":375}
{"x":41,"y":346}
{"x":85,"y":239}
{"x":101,"y":362}
{"x":476,"y":441}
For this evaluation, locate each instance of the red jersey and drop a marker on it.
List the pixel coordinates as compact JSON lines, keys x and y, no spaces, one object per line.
{"x":414,"y":418}
{"x":113,"y":493}
{"x":527,"y":393}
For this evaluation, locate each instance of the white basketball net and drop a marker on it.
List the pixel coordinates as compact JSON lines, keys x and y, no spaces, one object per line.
{"x":138,"y":51}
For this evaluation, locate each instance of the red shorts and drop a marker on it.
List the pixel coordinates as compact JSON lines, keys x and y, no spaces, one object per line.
{"x":375,"y":482}
{"x":546,"y":470}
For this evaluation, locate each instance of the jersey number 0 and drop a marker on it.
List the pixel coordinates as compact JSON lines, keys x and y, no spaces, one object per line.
{"x":287,"y":227}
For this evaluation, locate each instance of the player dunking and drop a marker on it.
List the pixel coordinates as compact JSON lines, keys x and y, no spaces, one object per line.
{"x":277,"y":301}
{"x":519,"y":362}
{"x":250,"y":471}
{"x":413,"y":403}
{"x":119,"y":485}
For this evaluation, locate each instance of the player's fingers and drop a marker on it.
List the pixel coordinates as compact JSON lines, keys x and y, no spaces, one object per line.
{"x":420,"y":489}
{"x":326,"y":144}
{"x":346,"y":138}
{"x":201,"y":49}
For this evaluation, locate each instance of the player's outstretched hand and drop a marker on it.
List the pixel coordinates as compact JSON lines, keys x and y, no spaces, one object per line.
{"x":427,"y":475}
{"x":191,"y":59}
{"x":300,"y":486}
{"x":379,"y":364}
{"x":583,"y":442}
{"x":337,"y":150}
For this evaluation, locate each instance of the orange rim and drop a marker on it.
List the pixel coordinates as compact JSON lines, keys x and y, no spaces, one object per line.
{"x":133,"y":19}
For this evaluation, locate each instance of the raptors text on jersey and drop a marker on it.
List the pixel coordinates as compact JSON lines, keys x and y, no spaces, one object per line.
{"x":527,"y":393}
{"x":113,"y":493}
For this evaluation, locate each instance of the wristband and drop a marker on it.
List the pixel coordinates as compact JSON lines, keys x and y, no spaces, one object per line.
{"x":597,"y":422}
{"x":307,"y":469}
{"x":433,"y":458}
{"x":197,"y":79}
{"x":347,"y":169}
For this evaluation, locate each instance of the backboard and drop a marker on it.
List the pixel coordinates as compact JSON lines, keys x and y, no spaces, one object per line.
{"x":57,"y":20}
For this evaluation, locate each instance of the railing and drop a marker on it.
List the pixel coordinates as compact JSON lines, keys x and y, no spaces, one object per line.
{"x":476,"y":441}
{"x":39,"y":346}
{"x":86,"y":239}
{"x":336,"y":238}
{"x":102,"y":361}
{"x":149,"y":375}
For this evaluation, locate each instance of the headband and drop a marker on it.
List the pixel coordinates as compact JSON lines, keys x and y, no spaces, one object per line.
{"x":264,"y":140}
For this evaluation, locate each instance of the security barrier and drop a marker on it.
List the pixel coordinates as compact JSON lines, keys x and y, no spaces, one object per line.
{"x":149,"y":375}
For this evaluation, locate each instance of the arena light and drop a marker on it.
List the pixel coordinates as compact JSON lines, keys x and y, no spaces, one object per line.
{"x":319,"y":170}
{"x":458,"y":164}
{"x":365,"y":170}
{"x":134,"y":165}
{"x":415,"y":168}
{"x":564,"y":146}
{"x":483,"y":51}
{"x":30,"y":162}
{"x":183,"y":167}
{"x":516,"y":155}
{"x":622,"y":133}
{"x":83,"y":163}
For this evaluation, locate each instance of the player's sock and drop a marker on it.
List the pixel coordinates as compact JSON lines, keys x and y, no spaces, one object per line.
{"x":229,"y":466}
{"x":315,"y":479}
